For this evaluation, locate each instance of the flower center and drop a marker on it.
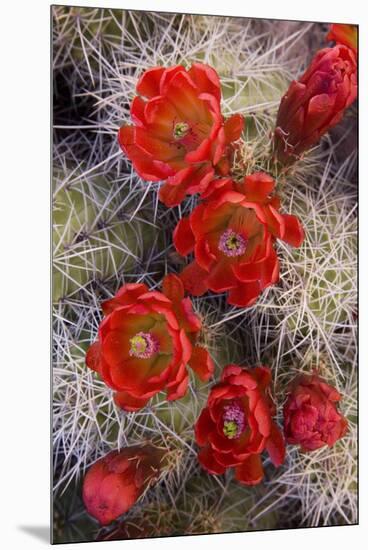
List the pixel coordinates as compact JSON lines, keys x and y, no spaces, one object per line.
{"x":234,"y":420}
{"x":230,"y":429}
{"x":143,"y":345}
{"x":232,"y":244}
{"x":180,"y":130}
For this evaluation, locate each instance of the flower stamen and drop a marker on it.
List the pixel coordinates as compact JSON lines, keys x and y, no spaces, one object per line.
{"x":143,"y":345}
{"x":232,"y":244}
{"x":180,"y":130}
{"x":234,"y":421}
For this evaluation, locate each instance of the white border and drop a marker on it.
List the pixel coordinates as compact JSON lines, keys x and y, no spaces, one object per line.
{"x":24,"y":494}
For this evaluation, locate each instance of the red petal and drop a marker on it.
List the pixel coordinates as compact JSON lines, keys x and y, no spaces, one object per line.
{"x":201,"y":363}
{"x":189,"y":320}
{"x":144,"y":165}
{"x":159,"y":149}
{"x":208,"y":461}
{"x":320,"y":108}
{"x":274,"y":221}
{"x":203,"y":427}
{"x":263,"y":376}
{"x":194,"y":279}
{"x":182,"y":176}
{"x":160,"y":116}
{"x":250,"y":472}
{"x":223,"y":390}
{"x":294,"y":233}
{"x":202,"y":153}
{"x":290,"y":103}
{"x":233,"y":127}
{"x":276,"y":445}
{"x":116,"y":346}
{"x":223,"y":167}
{"x":105,"y":373}
{"x":207,"y":218}
{"x":212,"y":106}
{"x":126,"y":138}
{"x":186,"y":345}
{"x":168,"y":76}
{"x":330,"y":392}
{"x":149,"y":83}
{"x":127,"y":294}
{"x":243,"y":378}
{"x":172,"y":195}
{"x":179,"y":390}
{"x":173,"y":288}
{"x":137,"y":111}
{"x":183,"y":237}
{"x":265,"y":271}
{"x":218,"y":148}
{"x":182,"y":92}
{"x":258,"y":186}
{"x":129,"y":403}
{"x":221,"y":277}
{"x":262,"y":415}
{"x":203,"y":254}
{"x":195,"y":179}
{"x":227,"y":196}
{"x":206,"y":79}
{"x":93,"y":356}
{"x":218,"y":185}
{"x":245,"y":294}
{"x":231,"y":370}
{"x":222,"y":445}
{"x":168,"y":313}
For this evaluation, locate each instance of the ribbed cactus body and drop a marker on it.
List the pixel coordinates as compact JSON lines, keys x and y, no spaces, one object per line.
{"x":92,"y":243}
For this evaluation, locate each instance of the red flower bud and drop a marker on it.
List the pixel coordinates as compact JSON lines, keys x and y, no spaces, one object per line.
{"x":236,"y":426}
{"x":311,"y":418}
{"x":316,"y":102}
{"x":114,"y":483}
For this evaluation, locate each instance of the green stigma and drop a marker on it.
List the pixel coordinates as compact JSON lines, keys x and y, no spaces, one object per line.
{"x":232,"y":243}
{"x":230,"y":429}
{"x":138,"y":345}
{"x":180,"y":130}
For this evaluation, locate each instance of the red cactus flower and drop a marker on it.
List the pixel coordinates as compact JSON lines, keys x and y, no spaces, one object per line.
{"x":316,"y":102}
{"x":232,"y":235}
{"x":236,"y":425}
{"x":344,"y":34}
{"x":179,"y":134}
{"x":311,"y":418}
{"x":145,"y":343}
{"x":114,"y":483}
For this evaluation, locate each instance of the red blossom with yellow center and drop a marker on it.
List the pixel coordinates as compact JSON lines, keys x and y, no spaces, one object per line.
{"x":232,"y":235}
{"x":146,"y":342}
{"x":236,"y":425}
{"x":311,"y":418}
{"x":179,"y":134}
